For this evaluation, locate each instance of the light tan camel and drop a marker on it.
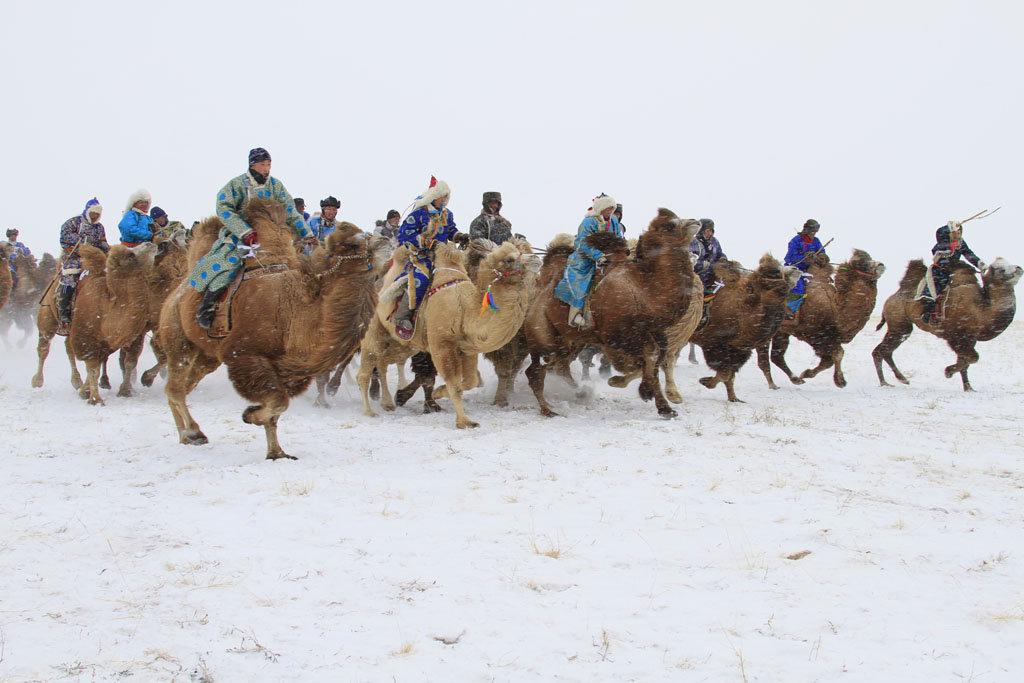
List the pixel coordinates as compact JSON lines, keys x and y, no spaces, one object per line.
{"x":289,"y":324}
{"x":831,"y":315}
{"x":745,"y":313}
{"x":451,"y":324}
{"x":33,"y":278}
{"x":973,"y":313}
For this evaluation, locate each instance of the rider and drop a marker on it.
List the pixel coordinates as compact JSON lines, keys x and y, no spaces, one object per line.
{"x":490,"y":224}
{"x":579,"y":271}
{"x":214,"y":272}
{"x":19,"y":248}
{"x":949,"y":247}
{"x":430,"y":221}
{"x":802,"y":249}
{"x":324,"y":224}
{"x":83,"y":229}
{"x":136,"y":221}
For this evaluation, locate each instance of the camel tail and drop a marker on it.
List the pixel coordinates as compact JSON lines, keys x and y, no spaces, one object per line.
{"x":881,"y":324}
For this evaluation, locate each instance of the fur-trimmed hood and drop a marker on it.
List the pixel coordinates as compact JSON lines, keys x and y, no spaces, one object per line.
{"x":139,"y":195}
{"x":437,"y":189}
{"x":601,"y":202}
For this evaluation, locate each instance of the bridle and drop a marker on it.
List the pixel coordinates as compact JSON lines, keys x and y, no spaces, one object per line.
{"x":367,"y":256}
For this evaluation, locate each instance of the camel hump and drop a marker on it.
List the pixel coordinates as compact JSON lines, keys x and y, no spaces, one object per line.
{"x":559,"y":248}
{"x":478,"y":251}
{"x":607,"y":242}
{"x":915,"y":271}
{"x":962,"y":274}
{"x":93,"y":259}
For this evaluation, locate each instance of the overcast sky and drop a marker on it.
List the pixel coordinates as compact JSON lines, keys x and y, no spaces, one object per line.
{"x":882,"y":120}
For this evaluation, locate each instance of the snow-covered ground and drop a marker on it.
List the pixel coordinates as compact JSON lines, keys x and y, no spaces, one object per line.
{"x":809,"y":534}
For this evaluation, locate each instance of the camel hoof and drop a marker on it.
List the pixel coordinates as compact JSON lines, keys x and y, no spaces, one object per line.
{"x":950,"y":372}
{"x":736,"y":400}
{"x":96,"y":401}
{"x":83,"y":394}
{"x":645,"y":393}
{"x":403,"y":395}
{"x":430,"y":407}
{"x":247,"y":414}
{"x":674,"y":397}
{"x":125,"y":393}
{"x":195,"y":438}
{"x":37,"y":382}
{"x":147,"y":379}
{"x":618,"y":381}
{"x":467,"y":423}
{"x":279,"y":455}
{"x":321,"y":404}
{"x":708,"y":382}
{"x":773,"y":386}
{"x":796,"y":380}
{"x":968,"y":388}
{"x":500,"y":402}
{"x":390,"y":407}
{"x":76,"y":383}
{"x":841,"y":383}
{"x":668,"y":414}
{"x":903,"y":380}
{"x":104,"y":383}
{"x":547,"y":412}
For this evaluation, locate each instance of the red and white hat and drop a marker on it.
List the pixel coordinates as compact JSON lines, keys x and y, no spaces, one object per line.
{"x":601,"y":202}
{"x":437,"y":189}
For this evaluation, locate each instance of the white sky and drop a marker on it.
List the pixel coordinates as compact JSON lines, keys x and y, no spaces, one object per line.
{"x":880,"y":119}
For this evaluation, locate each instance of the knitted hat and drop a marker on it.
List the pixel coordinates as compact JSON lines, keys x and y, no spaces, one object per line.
{"x":157,"y":213}
{"x":92,"y":206}
{"x":330,"y":201}
{"x":140,"y":195}
{"x":393,"y":214}
{"x":601,"y":202}
{"x":258,"y":154}
{"x":436,"y":190}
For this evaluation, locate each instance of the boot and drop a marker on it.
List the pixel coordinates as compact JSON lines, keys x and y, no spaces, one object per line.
{"x":64,"y":295}
{"x":576,"y":318}
{"x":926,"y":312}
{"x":403,"y":319}
{"x":204,"y":317}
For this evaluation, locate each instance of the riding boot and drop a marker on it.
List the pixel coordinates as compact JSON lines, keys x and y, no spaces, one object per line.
{"x":576,"y":318}
{"x":403,"y":318}
{"x":208,"y":307}
{"x":64,"y":295}
{"x":926,"y":312}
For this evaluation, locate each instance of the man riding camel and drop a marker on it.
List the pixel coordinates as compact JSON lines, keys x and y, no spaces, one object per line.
{"x":802,"y":250}
{"x":236,"y":240}
{"x":949,"y":248}
{"x":579,"y":271}
{"x":77,"y":230}
{"x":430,"y":221}
{"x":490,"y":224}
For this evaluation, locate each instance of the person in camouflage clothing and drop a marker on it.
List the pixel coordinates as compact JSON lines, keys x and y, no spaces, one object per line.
{"x":77,"y":230}
{"x":162,"y":225}
{"x":214,"y":272}
{"x":490,"y":224}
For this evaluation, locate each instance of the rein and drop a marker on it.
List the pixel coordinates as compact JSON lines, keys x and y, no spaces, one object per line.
{"x":366,"y":256}
{"x":873,"y":275}
{"x":487,"y":303}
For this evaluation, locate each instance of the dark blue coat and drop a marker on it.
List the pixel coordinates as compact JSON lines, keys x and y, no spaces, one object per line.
{"x":943,"y":256}
{"x":797,"y":249}
{"x":416,"y":229}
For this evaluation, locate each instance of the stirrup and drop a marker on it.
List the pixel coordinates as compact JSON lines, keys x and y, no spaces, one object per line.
{"x":63,"y":328}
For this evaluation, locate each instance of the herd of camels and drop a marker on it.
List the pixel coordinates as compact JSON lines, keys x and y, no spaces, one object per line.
{"x":296,"y":318}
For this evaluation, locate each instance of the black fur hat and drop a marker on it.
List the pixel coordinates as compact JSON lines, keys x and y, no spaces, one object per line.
{"x":330,"y":201}
{"x":812,"y":225}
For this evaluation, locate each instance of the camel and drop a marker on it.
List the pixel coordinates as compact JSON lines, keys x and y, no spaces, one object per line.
{"x":451,"y":324}
{"x":830,"y":316}
{"x":289,"y":323}
{"x":33,"y":278}
{"x":6,"y":281}
{"x":972,"y":314}
{"x":633,"y":306}
{"x":745,"y":313}
{"x":111,"y":306}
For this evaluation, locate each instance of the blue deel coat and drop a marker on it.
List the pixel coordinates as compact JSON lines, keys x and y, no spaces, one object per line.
{"x":415,"y":234}
{"x":795,"y":257}
{"x":579,"y":271}
{"x":134,"y":227}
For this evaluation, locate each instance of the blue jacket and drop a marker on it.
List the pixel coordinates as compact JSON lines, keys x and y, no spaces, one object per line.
{"x":134,"y":227}
{"x":797,"y":249}
{"x":579,"y":270}
{"x":416,"y":230}
{"x":321,"y":231}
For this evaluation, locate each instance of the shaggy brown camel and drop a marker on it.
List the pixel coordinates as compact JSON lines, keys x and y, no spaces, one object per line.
{"x":633,"y":306}
{"x":288,"y":324}
{"x":451,"y":325}
{"x":33,"y":278}
{"x":6,"y":282}
{"x":830,"y":316}
{"x":972,"y":314}
{"x":745,"y":313}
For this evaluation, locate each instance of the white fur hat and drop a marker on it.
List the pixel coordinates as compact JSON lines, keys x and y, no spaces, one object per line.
{"x":137,"y":196}
{"x":601,"y":202}
{"x":437,"y":189}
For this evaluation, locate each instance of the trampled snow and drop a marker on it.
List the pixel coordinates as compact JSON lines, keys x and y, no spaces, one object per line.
{"x":809,"y":534}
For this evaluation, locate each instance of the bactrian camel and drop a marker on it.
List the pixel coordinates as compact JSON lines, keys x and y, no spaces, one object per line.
{"x":972,"y":314}
{"x":288,"y":324}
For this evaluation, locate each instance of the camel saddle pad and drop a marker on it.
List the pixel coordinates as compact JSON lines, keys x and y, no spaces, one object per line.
{"x":221,"y":325}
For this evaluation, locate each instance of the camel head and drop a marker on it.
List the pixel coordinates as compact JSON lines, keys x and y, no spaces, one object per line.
{"x":862,"y":262}
{"x":772,"y":276}
{"x":507,"y":261}
{"x":122,"y":258}
{"x":1004,"y":272}
{"x":167,"y":245}
{"x":666,"y":229}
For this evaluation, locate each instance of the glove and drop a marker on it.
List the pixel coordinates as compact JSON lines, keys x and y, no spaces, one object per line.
{"x":310,"y":240}
{"x":461,"y":238}
{"x":602,"y":260}
{"x":809,"y":257}
{"x":982,"y":266}
{"x":249,"y":238}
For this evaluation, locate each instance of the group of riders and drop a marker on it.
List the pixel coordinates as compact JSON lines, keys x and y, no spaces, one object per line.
{"x":429,"y":221}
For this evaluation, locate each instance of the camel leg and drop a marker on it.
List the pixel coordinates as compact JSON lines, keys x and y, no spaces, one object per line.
{"x":459,"y":375}
{"x":729,"y":390}
{"x":895,"y":335}
{"x":368,"y":363}
{"x":257,"y":381}
{"x":826,"y":359}
{"x":965,"y":356}
{"x":321,"y":384}
{"x":129,"y":359}
{"x":43,"y":350}
{"x":586,"y":357}
{"x":104,"y":377}
{"x":654,"y":354}
{"x":837,"y":374}
{"x":387,"y":401}
{"x":723,"y":376}
{"x":76,"y":379}
{"x":693,"y":354}
{"x":183,"y":374}
{"x":535,"y":375}
{"x":161,"y":363}
{"x":401,"y":374}
{"x":622,"y":381}
{"x":764,"y":365}
{"x":669,"y":365}
{"x":779,"y":346}
{"x":92,"y":375}
{"x":423,"y":376}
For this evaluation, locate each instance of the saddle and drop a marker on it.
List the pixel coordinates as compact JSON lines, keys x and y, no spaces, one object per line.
{"x":221,"y":325}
